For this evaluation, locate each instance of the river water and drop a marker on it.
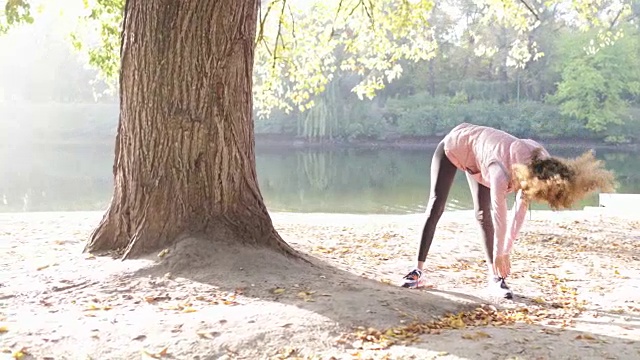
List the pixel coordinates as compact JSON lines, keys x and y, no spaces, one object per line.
{"x":65,"y":178}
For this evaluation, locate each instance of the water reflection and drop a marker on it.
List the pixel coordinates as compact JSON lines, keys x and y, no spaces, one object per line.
{"x":68,"y":178}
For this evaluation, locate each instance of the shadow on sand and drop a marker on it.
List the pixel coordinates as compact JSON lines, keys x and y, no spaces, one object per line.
{"x":351,"y":300}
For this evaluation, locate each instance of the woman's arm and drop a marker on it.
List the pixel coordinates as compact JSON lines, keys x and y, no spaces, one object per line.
{"x":519,"y":212}
{"x":499,"y":185}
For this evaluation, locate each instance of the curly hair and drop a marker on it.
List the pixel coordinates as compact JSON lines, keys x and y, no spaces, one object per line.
{"x":561,"y":182}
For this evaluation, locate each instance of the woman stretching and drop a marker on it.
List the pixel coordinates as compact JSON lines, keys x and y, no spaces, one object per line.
{"x":497,"y":163}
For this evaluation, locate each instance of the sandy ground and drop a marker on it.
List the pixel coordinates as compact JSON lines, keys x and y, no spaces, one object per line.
{"x":576,"y":279}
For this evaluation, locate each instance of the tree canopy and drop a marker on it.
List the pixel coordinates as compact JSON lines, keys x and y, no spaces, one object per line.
{"x":304,"y":46}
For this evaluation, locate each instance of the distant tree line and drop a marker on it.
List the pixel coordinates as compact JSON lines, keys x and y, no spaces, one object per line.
{"x":558,"y":82}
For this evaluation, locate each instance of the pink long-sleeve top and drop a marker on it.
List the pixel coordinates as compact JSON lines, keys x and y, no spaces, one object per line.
{"x":487,"y":154}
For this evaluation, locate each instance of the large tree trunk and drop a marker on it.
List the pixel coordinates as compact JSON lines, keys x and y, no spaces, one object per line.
{"x":184,"y":155}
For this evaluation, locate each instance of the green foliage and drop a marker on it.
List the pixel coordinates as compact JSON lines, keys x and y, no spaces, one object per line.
{"x":598,"y":80}
{"x":421,"y":115}
{"x":348,"y":69}
{"x":425,"y":116}
{"x":300,"y":50}
{"x":105,"y":21}
{"x":15,"y":12}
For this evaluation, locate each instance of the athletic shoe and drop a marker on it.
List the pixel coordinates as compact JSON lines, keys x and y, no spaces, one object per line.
{"x":413,"y":279}
{"x":499,"y":287}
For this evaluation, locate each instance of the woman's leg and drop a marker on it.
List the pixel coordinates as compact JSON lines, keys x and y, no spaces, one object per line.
{"x":442,"y":174}
{"x":482,"y":207}
{"x":481,"y":196}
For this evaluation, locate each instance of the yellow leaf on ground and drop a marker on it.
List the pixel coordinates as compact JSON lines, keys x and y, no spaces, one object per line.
{"x":188,"y":309}
{"x":457,"y":323}
{"x":206,"y":334}
{"x":19,"y":354}
{"x":476,"y":336}
{"x":3,"y":329}
{"x":157,"y":355}
{"x":278,"y":291}
{"x":585,"y":337}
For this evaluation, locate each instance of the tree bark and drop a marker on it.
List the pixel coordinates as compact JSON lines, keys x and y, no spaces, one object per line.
{"x":184,"y":154}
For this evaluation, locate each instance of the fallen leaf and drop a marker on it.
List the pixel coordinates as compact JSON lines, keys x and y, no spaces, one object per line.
{"x":19,"y":354}
{"x":3,"y":329}
{"x":208,"y":334}
{"x":42,"y":267}
{"x":585,"y":337}
{"x":139,"y":338}
{"x":476,"y":336}
{"x":94,"y":307}
{"x":163,"y":352}
{"x":278,"y":291}
{"x":285,"y":353}
{"x":157,"y":355}
{"x":188,"y":309}
{"x":306,"y":295}
{"x":163,"y":253}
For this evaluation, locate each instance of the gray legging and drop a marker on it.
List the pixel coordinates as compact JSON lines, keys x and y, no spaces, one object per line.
{"x":442,"y":175}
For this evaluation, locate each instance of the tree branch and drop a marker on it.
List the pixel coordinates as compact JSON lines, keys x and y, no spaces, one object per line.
{"x":263,"y":19}
{"x":279,"y":34}
{"x":615,"y":20}
{"x":293,"y":22}
{"x":335,"y":20}
{"x":530,"y":9}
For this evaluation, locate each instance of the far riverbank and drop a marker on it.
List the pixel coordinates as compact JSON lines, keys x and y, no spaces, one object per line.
{"x":275,"y":141}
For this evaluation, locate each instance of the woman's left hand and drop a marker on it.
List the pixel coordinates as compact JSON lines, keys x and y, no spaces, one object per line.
{"x":502,"y":265}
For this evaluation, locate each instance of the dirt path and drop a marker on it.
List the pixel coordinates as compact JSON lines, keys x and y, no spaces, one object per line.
{"x":576,"y":278}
